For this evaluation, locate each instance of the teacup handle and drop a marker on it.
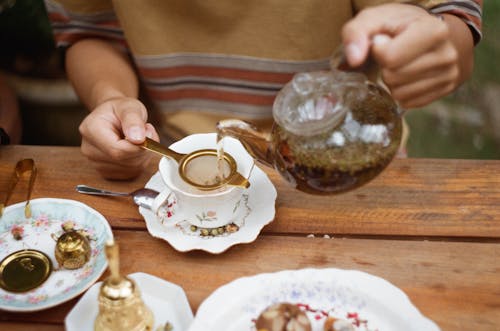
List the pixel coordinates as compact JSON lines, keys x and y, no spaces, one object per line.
{"x":164,"y":205}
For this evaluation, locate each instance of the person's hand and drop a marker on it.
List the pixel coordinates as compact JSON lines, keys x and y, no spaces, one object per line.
{"x":418,"y":61}
{"x":111,"y":134}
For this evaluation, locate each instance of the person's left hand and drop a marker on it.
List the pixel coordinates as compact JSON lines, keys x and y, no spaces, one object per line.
{"x":418,"y":61}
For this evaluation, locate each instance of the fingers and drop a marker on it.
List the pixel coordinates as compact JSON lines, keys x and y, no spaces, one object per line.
{"x":422,"y":92}
{"x":418,"y":77}
{"x":119,"y":162}
{"x":439,"y":64}
{"x":106,"y":138}
{"x":420,"y":37}
{"x":390,"y":19}
{"x":423,"y":80}
{"x":418,"y":61}
{"x":356,"y":38}
{"x":132,"y":115}
{"x":358,"y":32}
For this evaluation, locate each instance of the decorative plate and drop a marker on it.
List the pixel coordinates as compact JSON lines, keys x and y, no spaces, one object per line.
{"x":166,"y":300}
{"x":48,"y":217}
{"x":370,"y":303}
{"x":259,"y":209}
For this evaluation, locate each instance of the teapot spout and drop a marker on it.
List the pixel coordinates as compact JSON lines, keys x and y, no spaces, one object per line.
{"x":256,"y":142}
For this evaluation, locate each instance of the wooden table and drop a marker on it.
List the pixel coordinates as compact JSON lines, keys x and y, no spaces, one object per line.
{"x":431,"y":227}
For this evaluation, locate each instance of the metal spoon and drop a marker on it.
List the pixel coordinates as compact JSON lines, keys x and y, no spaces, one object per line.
{"x":143,"y":197}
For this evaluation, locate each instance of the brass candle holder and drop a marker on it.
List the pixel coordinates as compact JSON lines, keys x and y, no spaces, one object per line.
{"x":120,"y":304}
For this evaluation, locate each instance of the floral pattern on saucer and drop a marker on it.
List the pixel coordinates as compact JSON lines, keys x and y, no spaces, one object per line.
{"x":259,"y":202}
{"x":48,"y":217}
{"x":177,"y":232}
{"x":188,"y":229}
{"x":368,"y":302}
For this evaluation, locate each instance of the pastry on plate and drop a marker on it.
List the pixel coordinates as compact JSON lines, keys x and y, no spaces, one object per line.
{"x":283,"y":317}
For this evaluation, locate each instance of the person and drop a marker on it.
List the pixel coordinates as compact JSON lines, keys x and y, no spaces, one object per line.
{"x":10,"y":117}
{"x":200,"y":61}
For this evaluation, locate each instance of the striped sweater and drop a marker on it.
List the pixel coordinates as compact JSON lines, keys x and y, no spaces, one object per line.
{"x":202,"y":60}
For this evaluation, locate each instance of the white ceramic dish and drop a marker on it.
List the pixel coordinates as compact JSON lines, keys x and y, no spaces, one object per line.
{"x":361,"y":298}
{"x":48,"y":215}
{"x":208,"y":209}
{"x":258,"y":209}
{"x":166,"y":300}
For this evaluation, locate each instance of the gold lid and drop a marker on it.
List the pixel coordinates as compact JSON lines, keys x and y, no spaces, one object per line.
{"x":24,"y":270}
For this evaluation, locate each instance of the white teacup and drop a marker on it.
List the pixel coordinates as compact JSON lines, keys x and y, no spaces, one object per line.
{"x":204,"y":209}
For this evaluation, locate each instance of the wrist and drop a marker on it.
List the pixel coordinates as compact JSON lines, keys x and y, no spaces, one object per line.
{"x":463,"y":42}
{"x":102,"y":92}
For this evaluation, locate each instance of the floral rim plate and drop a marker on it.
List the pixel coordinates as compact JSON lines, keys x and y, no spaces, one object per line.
{"x":370,"y":303}
{"x":48,"y":216}
{"x":167,"y":301}
{"x":259,"y":209}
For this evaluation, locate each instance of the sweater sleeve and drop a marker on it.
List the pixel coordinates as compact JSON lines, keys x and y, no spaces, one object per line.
{"x":469,"y":11}
{"x":75,"y":20}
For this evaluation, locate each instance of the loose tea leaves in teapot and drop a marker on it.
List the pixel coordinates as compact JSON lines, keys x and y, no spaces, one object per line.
{"x":334,"y":131}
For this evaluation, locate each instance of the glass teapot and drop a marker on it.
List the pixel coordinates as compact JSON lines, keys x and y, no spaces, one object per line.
{"x":333,"y":131}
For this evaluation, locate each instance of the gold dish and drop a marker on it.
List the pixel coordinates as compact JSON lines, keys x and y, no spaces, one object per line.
{"x":24,"y":270}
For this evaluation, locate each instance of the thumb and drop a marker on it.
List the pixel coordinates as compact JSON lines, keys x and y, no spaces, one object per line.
{"x":357,"y":34}
{"x":380,"y":43}
{"x":356,"y":40}
{"x":133,"y":122}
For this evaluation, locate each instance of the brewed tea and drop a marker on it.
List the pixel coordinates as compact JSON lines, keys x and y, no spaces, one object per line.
{"x":221,"y":163}
{"x":207,"y":170}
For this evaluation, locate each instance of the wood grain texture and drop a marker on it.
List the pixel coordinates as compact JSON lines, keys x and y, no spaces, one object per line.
{"x":412,"y":197}
{"x":430,"y":227}
{"x":455,"y":284}
{"x":30,"y":327}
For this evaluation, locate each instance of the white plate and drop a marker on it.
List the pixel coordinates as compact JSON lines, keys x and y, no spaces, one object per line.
{"x":47,"y":217}
{"x":259,"y":204}
{"x":353,"y":295}
{"x":166,"y":300}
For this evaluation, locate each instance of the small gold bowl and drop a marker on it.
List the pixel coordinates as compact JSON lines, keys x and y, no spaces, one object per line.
{"x":72,"y":250}
{"x":24,"y":270}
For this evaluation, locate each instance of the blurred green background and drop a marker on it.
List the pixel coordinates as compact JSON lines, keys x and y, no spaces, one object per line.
{"x":465,"y":124}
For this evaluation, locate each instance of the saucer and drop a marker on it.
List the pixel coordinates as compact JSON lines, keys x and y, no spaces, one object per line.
{"x":48,"y":217}
{"x":167,"y":301}
{"x":368,"y":302}
{"x":258,"y":210}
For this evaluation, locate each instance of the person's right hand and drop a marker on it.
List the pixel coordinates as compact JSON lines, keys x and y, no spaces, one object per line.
{"x":111,"y":135}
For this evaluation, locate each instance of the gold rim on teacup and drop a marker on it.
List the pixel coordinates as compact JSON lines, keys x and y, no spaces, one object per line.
{"x":234,"y":178}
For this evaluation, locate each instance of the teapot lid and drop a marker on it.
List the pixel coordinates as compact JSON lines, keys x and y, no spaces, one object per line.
{"x":313,"y":102}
